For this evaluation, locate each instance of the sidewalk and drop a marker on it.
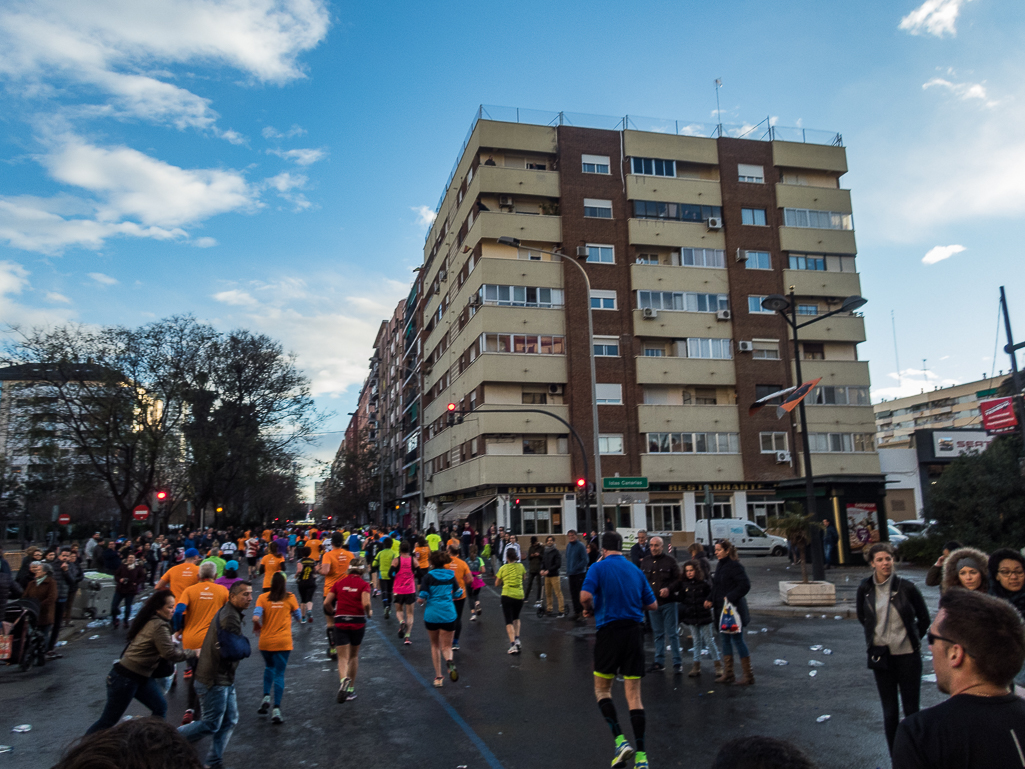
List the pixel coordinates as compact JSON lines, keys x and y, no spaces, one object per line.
{"x":766,"y":573}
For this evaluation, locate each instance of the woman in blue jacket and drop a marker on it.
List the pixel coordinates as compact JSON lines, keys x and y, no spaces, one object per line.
{"x":438,"y":589}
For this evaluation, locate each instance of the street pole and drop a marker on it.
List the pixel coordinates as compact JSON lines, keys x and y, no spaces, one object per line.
{"x":599,"y":506}
{"x":1012,"y":349}
{"x":817,"y":559}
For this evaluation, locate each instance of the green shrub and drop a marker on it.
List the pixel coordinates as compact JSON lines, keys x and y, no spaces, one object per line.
{"x":922,"y":550}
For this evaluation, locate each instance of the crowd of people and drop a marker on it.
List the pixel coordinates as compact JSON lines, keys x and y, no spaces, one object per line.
{"x":204,"y":582}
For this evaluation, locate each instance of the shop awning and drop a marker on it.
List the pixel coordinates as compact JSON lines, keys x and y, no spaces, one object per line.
{"x":463,"y":508}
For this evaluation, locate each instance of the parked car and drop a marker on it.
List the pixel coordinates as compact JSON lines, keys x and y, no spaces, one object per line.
{"x":748,"y":537}
{"x":896,"y":538}
{"x":915,"y":528}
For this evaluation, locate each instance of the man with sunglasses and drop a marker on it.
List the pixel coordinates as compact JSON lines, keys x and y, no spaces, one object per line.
{"x":978,"y":645}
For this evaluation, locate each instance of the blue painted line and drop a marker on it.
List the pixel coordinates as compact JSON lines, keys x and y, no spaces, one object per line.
{"x":478,"y":743}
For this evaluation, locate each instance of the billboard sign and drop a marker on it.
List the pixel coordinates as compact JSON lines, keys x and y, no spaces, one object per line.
{"x":998,"y":415}
{"x":947,"y":445}
{"x":862,"y":525}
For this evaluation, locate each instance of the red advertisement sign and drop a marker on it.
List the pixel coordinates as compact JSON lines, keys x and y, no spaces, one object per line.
{"x":998,"y":415}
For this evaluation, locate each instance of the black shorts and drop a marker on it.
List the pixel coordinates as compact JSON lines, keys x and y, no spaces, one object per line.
{"x":511,"y":608}
{"x":619,"y":650}
{"x":251,"y":560}
{"x":449,"y":626}
{"x":306,"y":590}
{"x":403,"y":599}
{"x":349,"y":636}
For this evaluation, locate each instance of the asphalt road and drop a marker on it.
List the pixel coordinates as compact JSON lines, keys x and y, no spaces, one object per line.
{"x":505,"y":711}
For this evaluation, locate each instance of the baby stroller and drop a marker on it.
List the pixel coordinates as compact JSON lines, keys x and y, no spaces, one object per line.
{"x":28,"y":642}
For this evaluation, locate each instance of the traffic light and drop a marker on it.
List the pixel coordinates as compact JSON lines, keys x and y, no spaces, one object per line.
{"x":161,"y":496}
{"x":453,"y":417}
{"x":581,"y":483}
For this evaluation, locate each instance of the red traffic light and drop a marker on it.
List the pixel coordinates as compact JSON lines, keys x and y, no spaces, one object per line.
{"x":581,"y":482}
{"x":451,"y":407}
{"x":161,"y":495}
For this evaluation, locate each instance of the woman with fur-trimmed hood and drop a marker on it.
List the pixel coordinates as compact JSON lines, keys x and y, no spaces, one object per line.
{"x":966,"y":567}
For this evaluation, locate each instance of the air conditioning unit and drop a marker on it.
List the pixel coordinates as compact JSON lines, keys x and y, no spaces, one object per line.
{"x":741,"y":255}
{"x":723,"y":315}
{"x":443,"y":275}
{"x":782,"y":457}
{"x":714,"y":223}
{"x":746,"y":346}
{"x":649,"y":313}
{"x":555,"y":389}
{"x":582,"y":251}
{"x":475,"y":301}
{"x":505,"y":201}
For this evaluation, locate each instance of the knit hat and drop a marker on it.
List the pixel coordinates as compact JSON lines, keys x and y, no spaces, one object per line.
{"x":192,"y":553}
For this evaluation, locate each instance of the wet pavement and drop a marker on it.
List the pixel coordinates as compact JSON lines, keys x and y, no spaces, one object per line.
{"x":515,"y":712}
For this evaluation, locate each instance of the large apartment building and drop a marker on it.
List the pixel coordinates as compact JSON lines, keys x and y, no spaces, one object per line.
{"x":681,"y":238}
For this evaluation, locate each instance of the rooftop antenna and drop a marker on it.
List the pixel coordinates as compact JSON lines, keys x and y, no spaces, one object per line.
{"x":718,"y":111}
{"x":896,"y":356}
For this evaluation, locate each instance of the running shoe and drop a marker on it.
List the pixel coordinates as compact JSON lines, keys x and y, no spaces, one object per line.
{"x":302,"y":619}
{"x":513,"y":649}
{"x":473,"y":617}
{"x":276,"y":716}
{"x":641,"y":760}
{"x":350,"y":695}
{"x":407,"y":642}
{"x":518,"y":644}
{"x":343,"y":691}
{"x":264,"y":706}
{"x":562,"y":614}
{"x":452,"y":672}
{"x":332,"y":652}
{"x":623,"y":755}
{"x":189,"y":716}
{"x":387,"y":612}
{"x":537,"y":605}
{"x":455,"y":646}
{"x":477,"y":608}
{"x":402,"y":629}
{"x":438,"y":682}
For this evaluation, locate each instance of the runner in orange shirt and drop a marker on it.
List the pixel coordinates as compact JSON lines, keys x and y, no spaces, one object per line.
{"x":422,"y":554}
{"x":270,"y":564}
{"x":179,"y":577}
{"x":334,"y":565}
{"x":464,"y":577}
{"x":267,"y":534}
{"x":272,"y":622}
{"x":314,"y":544}
{"x":196,"y":608}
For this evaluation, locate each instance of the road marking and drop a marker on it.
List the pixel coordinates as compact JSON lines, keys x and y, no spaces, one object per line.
{"x":485,"y":752}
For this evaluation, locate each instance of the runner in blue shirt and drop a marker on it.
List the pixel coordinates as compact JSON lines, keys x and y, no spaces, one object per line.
{"x":617,"y":594}
{"x":438,"y":589}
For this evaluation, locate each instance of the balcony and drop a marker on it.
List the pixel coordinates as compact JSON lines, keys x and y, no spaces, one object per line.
{"x":813,"y":283}
{"x":527,"y":227}
{"x":693,"y":468}
{"x":662,"y":278}
{"x":839,"y":328}
{"x":536,"y":470}
{"x":674,"y":190}
{"x":836,"y":372}
{"x":695,"y":371}
{"x":815,"y":198}
{"x":842,"y":464}
{"x":676,"y":324}
{"x":808,"y":240}
{"x":518,"y":181}
{"x":841,"y":419}
{"x":674,"y":419}
{"x":817,"y":157}
{"x":672,"y":234}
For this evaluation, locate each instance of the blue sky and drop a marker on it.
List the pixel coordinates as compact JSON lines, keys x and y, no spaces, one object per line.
{"x":273,"y":163}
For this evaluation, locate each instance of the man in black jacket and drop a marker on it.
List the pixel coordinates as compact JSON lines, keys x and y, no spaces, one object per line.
{"x":551,"y":562}
{"x":663,"y":574}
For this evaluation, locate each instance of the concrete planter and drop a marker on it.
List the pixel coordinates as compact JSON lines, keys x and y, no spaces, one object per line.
{"x":808,"y":594}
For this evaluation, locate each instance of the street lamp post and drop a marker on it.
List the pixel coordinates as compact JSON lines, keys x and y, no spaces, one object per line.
{"x":599,"y":508}
{"x":779,"y":303}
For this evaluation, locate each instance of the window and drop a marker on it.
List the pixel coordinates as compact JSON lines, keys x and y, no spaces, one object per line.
{"x":813,"y":351}
{"x":821,"y":220}
{"x":647,"y":259}
{"x":753,"y":216}
{"x":709,"y":348}
{"x":704,"y":396}
{"x":754,"y":305}
{"x":610,"y":394}
{"x":682,"y":301}
{"x":535,"y":445}
{"x":603,"y":300}
{"x":520,"y":296}
{"x":664,"y":518}
{"x":760,"y":511}
{"x":681,"y":212}
{"x":763,"y":390}
{"x":597,"y":209}
{"x":602,"y":254}
{"x":606,"y":346}
{"x":693,"y":443}
{"x":721,"y":508}
{"x":814,"y":263}
{"x":522,"y":343}
{"x":703,"y":257}
{"x":807,"y":309}
{"x":652,"y":167}
{"x":765,"y":349}
{"x":758,"y":260}
{"x":610,"y":444}
{"x":839,"y":395}
{"x":752,"y":174}
{"x":654,"y":352}
{"x":534,"y":398}
{"x":595,"y":164}
{"x":832,"y":443}
{"x":772,"y":442}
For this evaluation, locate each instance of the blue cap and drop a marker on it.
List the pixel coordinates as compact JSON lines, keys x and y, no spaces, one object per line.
{"x":192,"y":553}
{"x":233,"y":565}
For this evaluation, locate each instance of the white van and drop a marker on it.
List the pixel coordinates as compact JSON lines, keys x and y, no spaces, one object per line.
{"x":748,"y":538}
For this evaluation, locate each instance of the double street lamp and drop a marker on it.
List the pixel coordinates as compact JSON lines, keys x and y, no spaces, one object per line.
{"x":505,"y":240}
{"x":781,"y":304}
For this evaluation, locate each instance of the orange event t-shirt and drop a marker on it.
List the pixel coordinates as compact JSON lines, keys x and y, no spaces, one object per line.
{"x":180,"y":577}
{"x":276,"y":623}
{"x":272,"y":564}
{"x":338,"y":561}
{"x":267,"y":534}
{"x":314,"y":546}
{"x":423,"y":555}
{"x":463,"y":574}
{"x":202,"y":601}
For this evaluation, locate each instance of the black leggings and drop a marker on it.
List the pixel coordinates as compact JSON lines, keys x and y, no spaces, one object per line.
{"x":386,"y":587}
{"x":531,"y":579}
{"x":511,"y":608}
{"x":459,"y":616}
{"x":905,"y":676}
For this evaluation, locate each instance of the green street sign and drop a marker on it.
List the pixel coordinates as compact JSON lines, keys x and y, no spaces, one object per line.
{"x":609,"y":484}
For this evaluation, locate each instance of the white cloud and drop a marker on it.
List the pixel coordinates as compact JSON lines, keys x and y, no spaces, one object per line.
{"x":272,"y":133}
{"x":939,"y":253}
{"x":103,"y":280}
{"x":235,"y":298}
{"x":933,"y":17}
{"x":286,"y":185}
{"x":302,"y":157}
{"x":14,"y":280}
{"x":53,"y":296}
{"x":232,"y":136}
{"x":963,"y":91}
{"x":206,"y":242}
{"x":910,"y":382}
{"x":425,"y":216}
